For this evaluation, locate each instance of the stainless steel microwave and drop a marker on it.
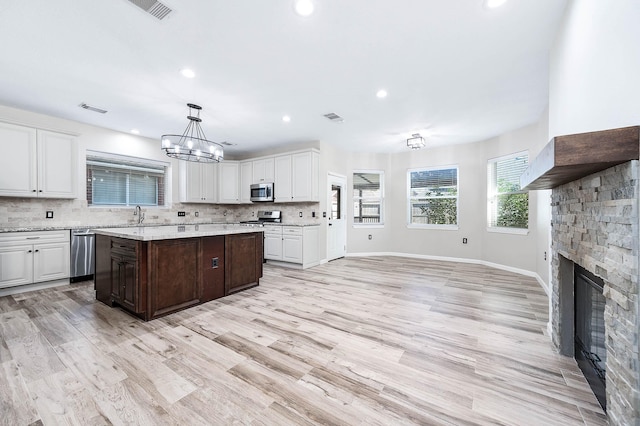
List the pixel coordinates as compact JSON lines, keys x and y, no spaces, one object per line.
{"x":262,"y":192}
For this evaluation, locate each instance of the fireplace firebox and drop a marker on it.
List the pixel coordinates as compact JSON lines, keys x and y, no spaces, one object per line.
{"x":590,"y":350}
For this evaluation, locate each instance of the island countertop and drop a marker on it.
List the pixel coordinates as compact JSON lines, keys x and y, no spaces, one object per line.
{"x":169,"y":232}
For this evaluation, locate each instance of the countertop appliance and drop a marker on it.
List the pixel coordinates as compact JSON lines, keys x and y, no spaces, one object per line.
{"x":264,"y":216}
{"x":82,"y":255}
{"x":261,"y":192}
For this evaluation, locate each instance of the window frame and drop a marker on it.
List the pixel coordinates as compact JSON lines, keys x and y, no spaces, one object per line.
{"x":444,"y":227}
{"x":492,"y":195}
{"x":382,"y":215}
{"x":128,"y":163}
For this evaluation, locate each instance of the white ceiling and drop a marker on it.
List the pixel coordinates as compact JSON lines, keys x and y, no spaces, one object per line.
{"x":454,"y":70}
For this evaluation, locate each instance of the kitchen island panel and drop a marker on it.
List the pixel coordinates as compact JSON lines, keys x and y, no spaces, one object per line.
{"x":174,"y":275}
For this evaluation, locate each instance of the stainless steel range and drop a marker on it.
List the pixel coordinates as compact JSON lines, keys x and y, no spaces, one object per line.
{"x":264,"y":216}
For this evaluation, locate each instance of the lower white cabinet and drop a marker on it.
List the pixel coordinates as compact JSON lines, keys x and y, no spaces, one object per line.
{"x":295,"y":245}
{"x":33,"y":257}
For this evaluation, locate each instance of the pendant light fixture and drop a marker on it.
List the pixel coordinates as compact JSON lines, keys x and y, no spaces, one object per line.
{"x":192,"y":145}
{"x":415,"y":141}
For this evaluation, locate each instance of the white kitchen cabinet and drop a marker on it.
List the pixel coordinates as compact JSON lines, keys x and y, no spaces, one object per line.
{"x":296,"y":177}
{"x":263,"y":170}
{"x":41,"y":164}
{"x":246,"y":179}
{"x":273,"y":242}
{"x":294,"y":246}
{"x":33,"y":257}
{"x":198,"y":182}
{"x":304,"y":175}
{"x":228,"y":182}
{"x":282,"y":179}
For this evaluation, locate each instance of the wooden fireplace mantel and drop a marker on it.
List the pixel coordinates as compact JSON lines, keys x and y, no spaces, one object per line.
{"x":571,"y":157}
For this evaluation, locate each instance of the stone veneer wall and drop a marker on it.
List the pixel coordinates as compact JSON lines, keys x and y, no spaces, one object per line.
{"x":595,"y":224}
{"x":21,"y":213}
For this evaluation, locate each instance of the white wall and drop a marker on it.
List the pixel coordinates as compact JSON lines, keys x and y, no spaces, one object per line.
{"x":523,"y":252}
{"x":595,"y":68}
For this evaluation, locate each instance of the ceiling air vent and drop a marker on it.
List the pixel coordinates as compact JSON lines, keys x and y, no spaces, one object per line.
{"x":154,"y":8}
{"x":91,"y":108}
{"x":334,"y":117}
{"x":228,"y":143}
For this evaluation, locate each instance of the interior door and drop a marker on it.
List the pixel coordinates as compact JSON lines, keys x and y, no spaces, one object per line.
{"x":337,"y":220}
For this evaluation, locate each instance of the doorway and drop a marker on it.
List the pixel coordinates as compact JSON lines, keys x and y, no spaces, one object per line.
{"x":337,"y":217}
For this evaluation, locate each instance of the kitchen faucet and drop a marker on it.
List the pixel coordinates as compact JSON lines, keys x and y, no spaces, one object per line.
{"x":140,"y":215}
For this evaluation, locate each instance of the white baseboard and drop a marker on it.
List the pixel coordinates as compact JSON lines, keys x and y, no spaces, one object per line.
{"x":7,"y":291}
{"x":524,"y":272}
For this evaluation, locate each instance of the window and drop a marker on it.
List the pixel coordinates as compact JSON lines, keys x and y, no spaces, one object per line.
{"x":433,"y":196}
{"x":508,"y":206}
{"x":368,"y":197}
{"x":114,"y":180}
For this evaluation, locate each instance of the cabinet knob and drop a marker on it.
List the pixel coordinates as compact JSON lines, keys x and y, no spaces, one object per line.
{"x":34,"y":191}
{"x":40,"y":190}
{"x":37,"y":251}
{"x":30,"y":251}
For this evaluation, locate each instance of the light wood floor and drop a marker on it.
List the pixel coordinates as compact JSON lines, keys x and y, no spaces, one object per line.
{"x":377,"y":341}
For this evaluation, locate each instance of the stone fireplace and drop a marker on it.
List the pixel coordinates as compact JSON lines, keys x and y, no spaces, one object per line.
{"x":595,"y":224}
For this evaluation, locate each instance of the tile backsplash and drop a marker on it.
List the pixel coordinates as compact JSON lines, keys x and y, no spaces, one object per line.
{"x":30,"y":213}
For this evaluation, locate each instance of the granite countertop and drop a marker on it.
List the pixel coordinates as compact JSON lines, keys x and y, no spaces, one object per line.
{"x":168,"y":232}
{"x":292,"y":224}
{"x":130,"y":226}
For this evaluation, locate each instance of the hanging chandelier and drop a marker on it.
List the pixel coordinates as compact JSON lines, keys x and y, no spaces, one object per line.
{"x":415,"y":141}
{"x":192,"y":145}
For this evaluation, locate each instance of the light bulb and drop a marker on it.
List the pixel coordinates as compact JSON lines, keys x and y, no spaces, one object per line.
{"x":304,"y":7}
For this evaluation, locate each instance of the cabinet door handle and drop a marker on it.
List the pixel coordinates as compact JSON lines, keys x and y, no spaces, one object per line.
{"x":32,"y":238}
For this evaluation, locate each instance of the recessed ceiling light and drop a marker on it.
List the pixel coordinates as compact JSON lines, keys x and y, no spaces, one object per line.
{"x":187,"y":73}
{"x":286,"y":118}
{"x":135,"y":131}
{"x":304,"y":7}
{"x":492,"y":4}
{"x":381,"y":94}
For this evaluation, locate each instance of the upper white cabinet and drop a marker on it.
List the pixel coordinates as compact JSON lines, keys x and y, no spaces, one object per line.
{"x":263,"y":170}
{"x":198,"y":182}
{"x":41,"y":164}
{"x":228,"y":182}
{"x":282,"y":179}
{"x":246,"y":179}
{"x":304,"y":175}
{"x":296,"y":177}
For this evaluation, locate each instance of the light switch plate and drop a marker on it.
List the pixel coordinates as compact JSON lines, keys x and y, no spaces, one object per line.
{"x":49,"y":214}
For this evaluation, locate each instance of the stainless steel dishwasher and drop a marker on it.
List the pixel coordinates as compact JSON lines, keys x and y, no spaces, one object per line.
{"x":82,"y":255}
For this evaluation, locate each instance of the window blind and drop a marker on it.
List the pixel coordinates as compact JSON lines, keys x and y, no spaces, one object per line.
{"x":124,"y":182}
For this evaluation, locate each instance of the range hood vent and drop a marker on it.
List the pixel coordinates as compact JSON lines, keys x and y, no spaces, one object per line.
{"x":572,"y":157}
{"x":155,"y":8}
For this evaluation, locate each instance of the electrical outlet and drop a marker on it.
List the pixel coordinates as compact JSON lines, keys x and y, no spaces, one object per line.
{"x":545,"y":255}
{"x":49,"y":214}
{"x":197,"y":214}
{"x":182,"y":214}
{"x":313,"y":214}
{"x":324,"y":214}
{"x":464,"y":241}
{"x":370,"y":237}
{"x":300,"y":214}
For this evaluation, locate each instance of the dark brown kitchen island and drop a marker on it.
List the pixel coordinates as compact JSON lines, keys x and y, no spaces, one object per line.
{"x":156,"y":270}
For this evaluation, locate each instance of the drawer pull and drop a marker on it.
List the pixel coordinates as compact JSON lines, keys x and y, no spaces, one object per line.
{"x":32,"y":238}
